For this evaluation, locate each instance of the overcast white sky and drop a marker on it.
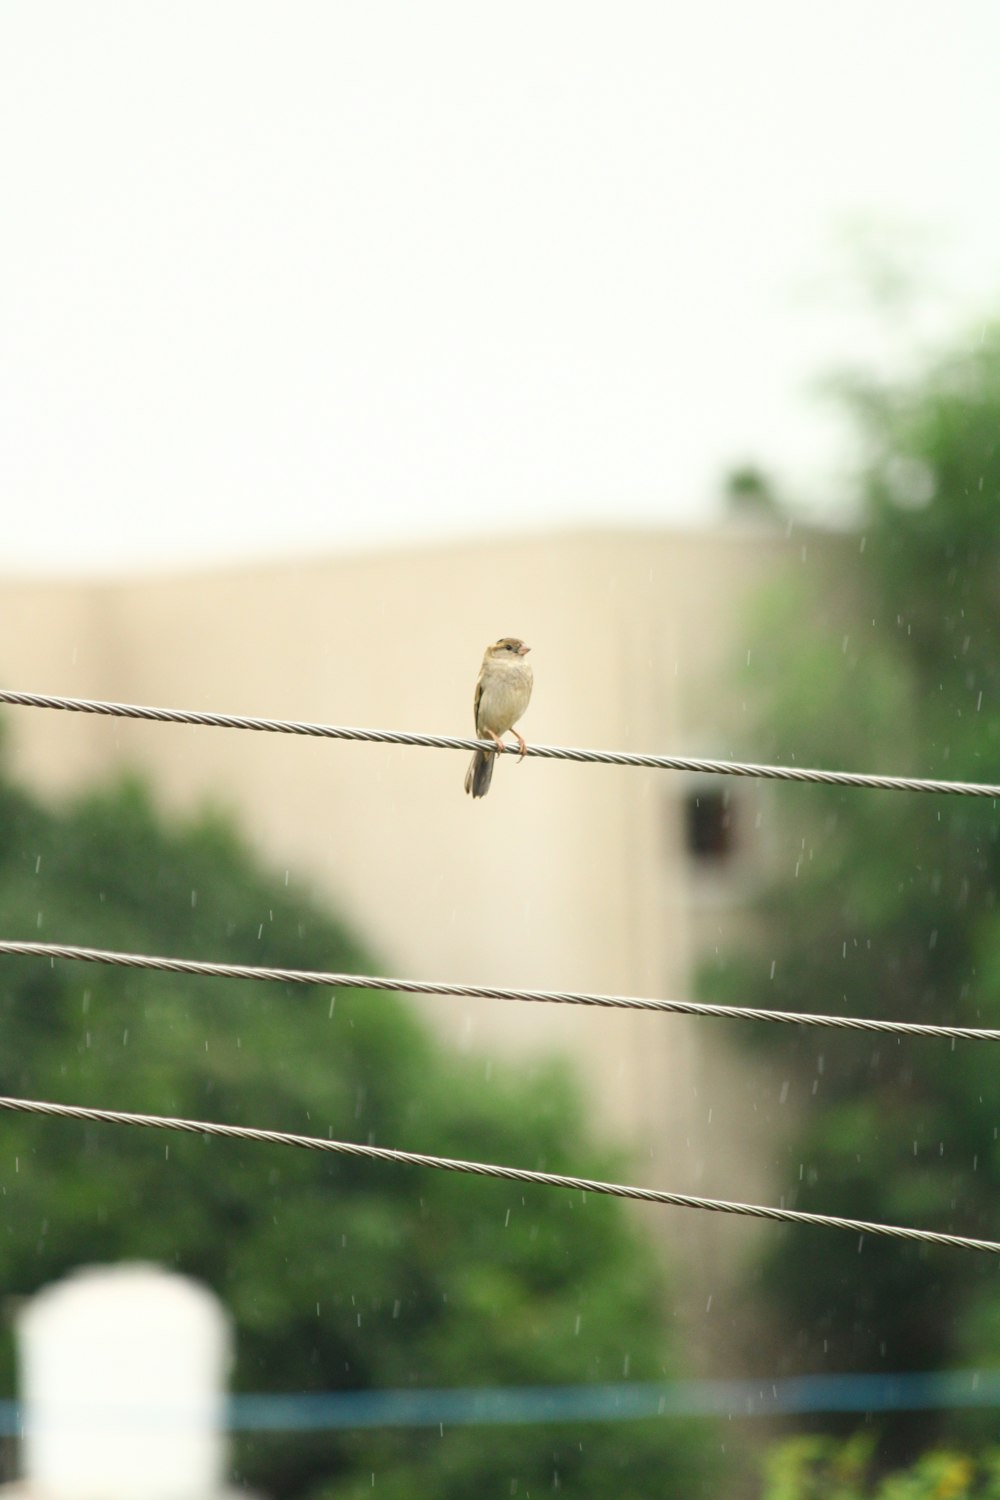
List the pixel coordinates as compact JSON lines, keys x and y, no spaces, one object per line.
{"x":279,"y":277}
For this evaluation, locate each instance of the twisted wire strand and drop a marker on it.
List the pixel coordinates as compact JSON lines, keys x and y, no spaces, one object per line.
{"x":333,"y":980}
{"x":544,"y":752}
{"x":212,"y":1128}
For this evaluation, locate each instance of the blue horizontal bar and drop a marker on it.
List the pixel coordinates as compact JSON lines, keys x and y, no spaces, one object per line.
{"x":329,"y":1411}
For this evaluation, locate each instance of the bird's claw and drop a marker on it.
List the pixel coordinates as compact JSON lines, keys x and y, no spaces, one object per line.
{"x":522,"y":744}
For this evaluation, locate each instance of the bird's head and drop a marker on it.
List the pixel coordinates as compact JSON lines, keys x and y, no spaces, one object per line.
{"x":507,"y":647}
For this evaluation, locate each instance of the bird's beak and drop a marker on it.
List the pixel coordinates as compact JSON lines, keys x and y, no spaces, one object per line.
{"x":523,"y":650}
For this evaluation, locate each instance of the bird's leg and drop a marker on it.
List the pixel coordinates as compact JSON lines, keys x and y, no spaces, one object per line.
{"x":496,"y":740}
{"x":521,"y":743}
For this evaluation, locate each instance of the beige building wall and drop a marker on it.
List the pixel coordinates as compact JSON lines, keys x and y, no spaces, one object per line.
{"x":565,"y":876}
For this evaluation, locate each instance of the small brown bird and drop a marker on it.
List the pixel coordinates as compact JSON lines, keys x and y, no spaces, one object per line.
{"x":502,"y":694}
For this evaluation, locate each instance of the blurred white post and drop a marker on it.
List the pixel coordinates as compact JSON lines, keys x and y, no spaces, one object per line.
{"x":123,"y":1373}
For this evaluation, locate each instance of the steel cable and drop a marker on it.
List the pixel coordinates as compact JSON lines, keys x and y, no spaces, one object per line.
{"x":545,"y":752}
{"x":210,"y":1128}
{"x":334,"y":980}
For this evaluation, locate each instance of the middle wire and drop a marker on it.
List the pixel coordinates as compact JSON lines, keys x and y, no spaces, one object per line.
{"x":333,"y":980}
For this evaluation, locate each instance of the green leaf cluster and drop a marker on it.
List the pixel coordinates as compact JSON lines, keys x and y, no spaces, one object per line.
{"x":340,"y":1274}
{"x":823,"y":1468}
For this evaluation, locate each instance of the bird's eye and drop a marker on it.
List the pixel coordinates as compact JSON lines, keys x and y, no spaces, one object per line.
{"x":509,"y":646}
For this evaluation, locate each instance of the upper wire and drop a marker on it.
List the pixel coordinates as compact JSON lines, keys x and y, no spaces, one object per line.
{"x":545,"y":752}
{"x":334,"y":980}
{"x":491,"y":1169}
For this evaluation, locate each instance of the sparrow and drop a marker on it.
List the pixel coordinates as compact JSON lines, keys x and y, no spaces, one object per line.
{"x":502,"y":693}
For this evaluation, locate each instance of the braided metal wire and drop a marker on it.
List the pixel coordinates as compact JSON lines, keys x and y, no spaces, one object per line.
{"x":210,"y":1128}
{"x":333,"y":980}
{"x":544,"y":752}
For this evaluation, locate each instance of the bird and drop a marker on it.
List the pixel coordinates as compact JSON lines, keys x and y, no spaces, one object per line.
{"x":503,"y":690}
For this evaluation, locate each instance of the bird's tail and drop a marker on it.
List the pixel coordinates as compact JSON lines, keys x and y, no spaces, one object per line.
{"x":480,"y":773}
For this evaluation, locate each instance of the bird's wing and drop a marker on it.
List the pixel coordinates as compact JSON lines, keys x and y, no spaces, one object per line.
{"x":476,"y":702}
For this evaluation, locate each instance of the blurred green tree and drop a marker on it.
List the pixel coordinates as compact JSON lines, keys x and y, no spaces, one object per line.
{"x":340,"y":1274}
{"x":823,"y":1468}
{"x":886,"y":903}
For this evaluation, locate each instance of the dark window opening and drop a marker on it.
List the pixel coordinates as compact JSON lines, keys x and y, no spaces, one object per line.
{"x":708,"y":817}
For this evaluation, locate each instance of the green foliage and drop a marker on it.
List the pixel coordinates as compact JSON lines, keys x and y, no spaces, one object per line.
{"x":340,"y":1274}
{"x":748,"y":491}
{"x":818,"y":1468}
{"x":886,"y":904}
{"x":821,"y":1468}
